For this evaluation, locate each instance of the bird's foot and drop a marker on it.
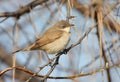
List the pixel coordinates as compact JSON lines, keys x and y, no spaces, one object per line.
{"x":65,"y":51}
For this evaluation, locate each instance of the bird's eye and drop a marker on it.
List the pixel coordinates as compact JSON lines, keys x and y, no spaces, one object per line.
{"x":63,"y":26}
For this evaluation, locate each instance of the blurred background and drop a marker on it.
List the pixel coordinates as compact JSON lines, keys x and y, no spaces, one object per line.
{"x":95,"y":59}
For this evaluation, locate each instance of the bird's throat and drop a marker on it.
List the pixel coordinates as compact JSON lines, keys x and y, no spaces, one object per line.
{"x":67,"y":29}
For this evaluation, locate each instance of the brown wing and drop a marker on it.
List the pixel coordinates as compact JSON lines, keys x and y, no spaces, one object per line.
{"x":47,"y":38}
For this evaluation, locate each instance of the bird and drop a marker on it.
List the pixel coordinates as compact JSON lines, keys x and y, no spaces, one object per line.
{"x":53,"y":40}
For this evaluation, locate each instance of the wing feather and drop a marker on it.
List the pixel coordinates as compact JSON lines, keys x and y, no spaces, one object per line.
{"x":47,"y":38}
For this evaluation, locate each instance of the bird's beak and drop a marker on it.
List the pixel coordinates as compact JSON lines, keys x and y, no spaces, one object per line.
{"x":72,"y":25}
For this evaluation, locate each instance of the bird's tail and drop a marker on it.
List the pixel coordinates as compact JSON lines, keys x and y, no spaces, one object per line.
{"x":31,"y":47}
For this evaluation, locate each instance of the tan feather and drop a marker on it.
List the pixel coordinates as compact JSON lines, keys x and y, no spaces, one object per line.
{"x":47,"y":38}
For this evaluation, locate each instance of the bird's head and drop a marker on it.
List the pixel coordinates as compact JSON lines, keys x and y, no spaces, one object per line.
{"x":63,"y":25}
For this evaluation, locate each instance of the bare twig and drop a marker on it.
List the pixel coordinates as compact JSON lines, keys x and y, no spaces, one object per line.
{"x":87,"y":11}
{"x":81,"y":39}
{"x":14,"y":42}
{"x":52,"y":67}
{"x":3,"y":19}
{"x":52,"y":77}
{"x":99,"y":13}
{"x":48,"y":63}
{"x":23,"y":10}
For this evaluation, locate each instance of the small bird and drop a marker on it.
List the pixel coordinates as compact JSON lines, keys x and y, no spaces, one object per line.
{"x":53,"y":40}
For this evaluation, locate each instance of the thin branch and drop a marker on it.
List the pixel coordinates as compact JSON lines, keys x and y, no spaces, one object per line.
{"x":99,"y":19}
{"x":3,"y":19}
{"x":14,"y":42}
{"x":81,"y":39}
{"x":56,"y":58}
{"x":87,"y":10}
{"x":52,"y":67}
{"x":23,"y":10}
{"x":53,"y":77}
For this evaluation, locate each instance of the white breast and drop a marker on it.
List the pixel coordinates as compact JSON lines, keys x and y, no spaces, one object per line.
{"x":58,"y":45}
